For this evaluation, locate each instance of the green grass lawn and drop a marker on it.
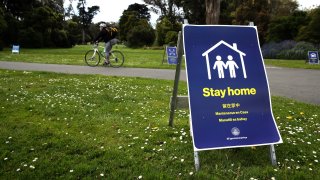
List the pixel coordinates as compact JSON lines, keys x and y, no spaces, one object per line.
{"x":142,"y":58}
{"x":91,"y":126}
{"x":291,"y":64}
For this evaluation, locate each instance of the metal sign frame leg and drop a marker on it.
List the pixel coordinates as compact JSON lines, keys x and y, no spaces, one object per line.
{"x":173,"y":104}
{"x":195,"y":153}
{"x":273,"y":155}
{"x":196,"y":160}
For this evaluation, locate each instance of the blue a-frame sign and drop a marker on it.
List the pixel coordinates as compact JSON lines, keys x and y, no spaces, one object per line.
{"x":313,"y":57}
{"x":15,"y":49}
{"x":229,"y":95}
{"x":172,"y":54}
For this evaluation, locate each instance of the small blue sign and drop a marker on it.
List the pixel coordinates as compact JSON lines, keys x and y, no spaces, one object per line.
{"x":229,"y":93}
{"x":313,"y":57}
{"x":15,"y":49}
{"x":172,"y":55}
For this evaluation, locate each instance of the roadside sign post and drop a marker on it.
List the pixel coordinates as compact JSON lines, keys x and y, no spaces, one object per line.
{"x":229,"y":96}
{"x":172,"y":56}
{"x":15,"y":49}
{"x":313,"y":57}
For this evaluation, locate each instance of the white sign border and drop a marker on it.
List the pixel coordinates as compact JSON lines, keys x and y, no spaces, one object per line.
{"x":191,"y":128}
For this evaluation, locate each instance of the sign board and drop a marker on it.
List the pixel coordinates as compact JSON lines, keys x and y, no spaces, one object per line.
{"x":15,"y":49}
{"x":229,"y":95}
{"x":172,"y":55}
{"x":313,"y":57}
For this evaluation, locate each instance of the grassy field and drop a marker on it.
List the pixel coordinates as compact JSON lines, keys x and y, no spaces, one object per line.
{"x":84,"y":127}
{"x":291,"y":64}
{"x":142,"y":58}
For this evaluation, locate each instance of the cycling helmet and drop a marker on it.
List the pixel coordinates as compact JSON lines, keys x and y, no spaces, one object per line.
{"x":103,"y":25}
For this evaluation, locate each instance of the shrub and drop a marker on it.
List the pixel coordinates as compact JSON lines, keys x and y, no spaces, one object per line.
{"x":298,"y":52}
{"x":272,"y":49}
{"x":163,"y":28}
{"x":287,"y":50}
{"x":171,"y":38}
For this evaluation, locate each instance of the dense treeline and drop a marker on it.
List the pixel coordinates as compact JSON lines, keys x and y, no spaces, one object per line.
{"x":45,"y":23}
{"x":33,"y":23}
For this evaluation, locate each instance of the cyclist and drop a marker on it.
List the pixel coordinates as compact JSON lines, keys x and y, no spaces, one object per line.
{"x":107,"y":34}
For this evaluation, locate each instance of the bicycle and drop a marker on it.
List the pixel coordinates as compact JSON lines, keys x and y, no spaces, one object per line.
{"x":92,"y":57}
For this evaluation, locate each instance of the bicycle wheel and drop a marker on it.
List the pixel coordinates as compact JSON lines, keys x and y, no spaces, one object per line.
{"x":92,"y":58}
{"x":116,"y":58}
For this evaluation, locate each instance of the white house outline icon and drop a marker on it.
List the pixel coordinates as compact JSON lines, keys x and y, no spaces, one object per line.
{"x":234,"y":47}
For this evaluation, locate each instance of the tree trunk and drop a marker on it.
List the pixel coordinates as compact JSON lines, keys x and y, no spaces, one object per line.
{"x":83,"y":36}
{"x":212,"y":11}
{"x":170,"y":11}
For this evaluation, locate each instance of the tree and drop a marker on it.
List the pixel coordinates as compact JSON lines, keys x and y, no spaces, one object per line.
{"x":18,"y":8}
{"x":86,"y":15}
{"x":56,"y":5}
{"x":3,"y":27}
{"x":3,"y":23}
{"x":31,"y":38}
{"x":141,"y":35}
{"x":34,"y":23}
{"x":158,"y":6}
{"x":131,"y":17}
{"x":286,"y":27}
{"x":163,"y":28}
{"x":171,"y":38}
{"x":141,"y":9}
{"x":281,"y":8}
{"x":43,"y":19}
{"x":73,"y":32}
{"x":227,"y":9}
{"x":166,"y":8}
{"x":257,"y":12}
{"x":127,"y":21}
{"x":45,"y":23}
{"x":194,"y":11}
{"x":310,"y":32}
{"x":212,"y":11}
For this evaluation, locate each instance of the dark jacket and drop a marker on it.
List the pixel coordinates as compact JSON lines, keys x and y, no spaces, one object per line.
{"x":104,"y":35}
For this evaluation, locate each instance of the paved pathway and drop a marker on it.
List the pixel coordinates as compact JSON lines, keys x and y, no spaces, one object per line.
{"x":300,"y":84}
{"x":108,"y":71}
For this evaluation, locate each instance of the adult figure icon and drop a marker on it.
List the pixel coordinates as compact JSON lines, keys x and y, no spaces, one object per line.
{"x":231,"y":65}
{"x":220,"y":66}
